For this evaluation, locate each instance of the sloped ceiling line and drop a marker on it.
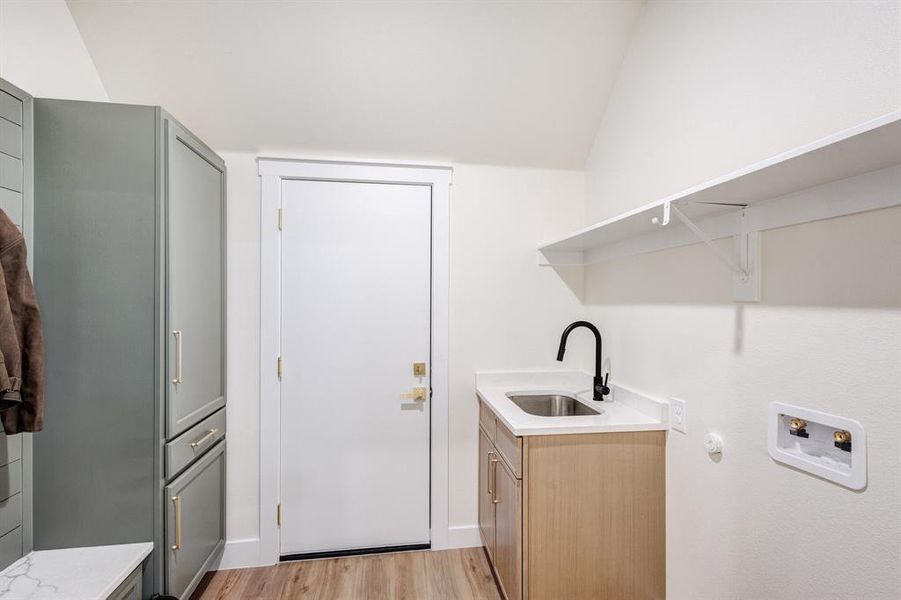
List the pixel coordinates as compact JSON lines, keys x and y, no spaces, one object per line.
{"x":507,"y":83}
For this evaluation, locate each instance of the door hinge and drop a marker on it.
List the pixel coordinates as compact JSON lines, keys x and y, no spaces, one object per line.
{"x":278,"y":514}
{"x":280,"y":219}
{"x":278,"y":367}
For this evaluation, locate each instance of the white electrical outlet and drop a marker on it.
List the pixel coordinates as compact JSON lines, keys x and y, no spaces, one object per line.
{"x":678,"y":415}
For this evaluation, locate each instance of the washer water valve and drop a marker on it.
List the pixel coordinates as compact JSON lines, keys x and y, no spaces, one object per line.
{"x":819,"y":443}
{"x":798,"y":427}
{"x":842,"y":440}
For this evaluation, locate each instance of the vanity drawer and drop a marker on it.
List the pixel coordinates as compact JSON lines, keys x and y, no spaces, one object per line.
{"x":510,"y":448}
{"x":487,"y":420}
{"x":182,"y":451}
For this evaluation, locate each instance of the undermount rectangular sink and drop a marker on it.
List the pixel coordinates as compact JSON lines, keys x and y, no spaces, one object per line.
{"x":552,"y":405}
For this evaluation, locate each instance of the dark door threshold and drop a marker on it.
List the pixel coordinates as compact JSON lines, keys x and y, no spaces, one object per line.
{"x":354,"y":552}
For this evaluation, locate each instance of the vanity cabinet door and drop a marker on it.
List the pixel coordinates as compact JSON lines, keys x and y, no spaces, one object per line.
{"x":195,"y":522}
{"x":486,"y":495}
{"x":508,"y":530}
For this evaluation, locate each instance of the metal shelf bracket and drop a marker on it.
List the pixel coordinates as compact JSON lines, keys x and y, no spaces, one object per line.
{"x":744,"y":264}
{"x":663,"y":222}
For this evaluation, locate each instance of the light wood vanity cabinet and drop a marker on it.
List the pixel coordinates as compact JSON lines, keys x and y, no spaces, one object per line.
{"x":576,"y":516}
{"x":500,"y":515}
{"x":507,"y":524}
{"x":486,"y":492}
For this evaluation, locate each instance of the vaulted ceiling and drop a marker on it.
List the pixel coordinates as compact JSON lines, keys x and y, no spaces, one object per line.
{"x":512,"y":83}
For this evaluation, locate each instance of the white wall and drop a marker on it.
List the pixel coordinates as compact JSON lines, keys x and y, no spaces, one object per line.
{"x":243,"y":360}
{"x":707,"y":87}
{"x":41,"y":51}
{"x":504,"y":313}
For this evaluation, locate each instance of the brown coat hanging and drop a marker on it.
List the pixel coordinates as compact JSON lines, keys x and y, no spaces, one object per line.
{"x":21,"y":338}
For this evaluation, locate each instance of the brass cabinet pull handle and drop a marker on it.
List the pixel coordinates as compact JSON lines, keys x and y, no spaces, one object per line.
{"x":178,"y":365}
{"x":494,"y":462}
{"x":177,"y":501}
{"x":488,"y":474}
{"x":204,"y":438}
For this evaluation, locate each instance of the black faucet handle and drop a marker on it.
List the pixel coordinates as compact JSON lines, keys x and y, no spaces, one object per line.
{"x":600,"y":387}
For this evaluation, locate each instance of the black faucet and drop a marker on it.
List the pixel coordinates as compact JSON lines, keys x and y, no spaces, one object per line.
{"x":600,"y":382}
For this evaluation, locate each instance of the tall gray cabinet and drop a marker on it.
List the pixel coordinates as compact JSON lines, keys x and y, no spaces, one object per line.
{"x":130,"y":275}
{"x":16,"y":169}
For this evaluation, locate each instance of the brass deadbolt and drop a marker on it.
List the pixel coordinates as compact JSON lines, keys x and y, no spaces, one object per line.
{"x":841,"y":436}
{"x":797,"y":424}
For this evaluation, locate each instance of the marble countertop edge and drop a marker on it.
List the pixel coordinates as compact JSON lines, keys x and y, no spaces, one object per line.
{"x":87,"y":573}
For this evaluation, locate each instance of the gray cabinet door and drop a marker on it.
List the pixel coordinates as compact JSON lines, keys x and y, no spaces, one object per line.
{"x":131,"y":588}
{"x":16,"y":166}
{"x":195,"y":522}
{"x":195,"y":260}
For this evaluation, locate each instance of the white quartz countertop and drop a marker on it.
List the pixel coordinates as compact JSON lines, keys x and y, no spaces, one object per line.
{"x":626,"y":409}
{"x":71,"y":573}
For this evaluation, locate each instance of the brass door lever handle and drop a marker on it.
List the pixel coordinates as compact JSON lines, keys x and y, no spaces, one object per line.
{"x":418,"y":394}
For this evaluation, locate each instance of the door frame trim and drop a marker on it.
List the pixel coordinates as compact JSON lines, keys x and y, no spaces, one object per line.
{"x":272,"y":172}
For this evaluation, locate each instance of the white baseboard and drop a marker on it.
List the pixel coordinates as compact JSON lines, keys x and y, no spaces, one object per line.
{"x":240,"y":554}
{"x":463,"y":536}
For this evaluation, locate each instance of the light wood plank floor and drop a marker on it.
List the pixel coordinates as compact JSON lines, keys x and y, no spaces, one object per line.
{"x":447,"y":574}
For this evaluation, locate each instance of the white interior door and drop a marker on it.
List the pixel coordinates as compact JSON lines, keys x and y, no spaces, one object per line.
{"x":355,"y":317}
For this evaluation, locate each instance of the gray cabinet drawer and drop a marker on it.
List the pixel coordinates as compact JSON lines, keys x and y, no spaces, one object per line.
{"x":10,"y":448}
{"x":10,"y":108}
{"x":10,"y":479}
{"x":11,"y":203}
{"x":10,"y":513}
{"x":10,"y":547}
{"x":185,"y":448}
{"x":131,"y":588}
{"x":195,"y":522}
{"x":10,"y":172}
{"x":10,"y":138}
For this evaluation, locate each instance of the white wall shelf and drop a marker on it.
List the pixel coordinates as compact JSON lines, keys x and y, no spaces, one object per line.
{"x":852,"y":171}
